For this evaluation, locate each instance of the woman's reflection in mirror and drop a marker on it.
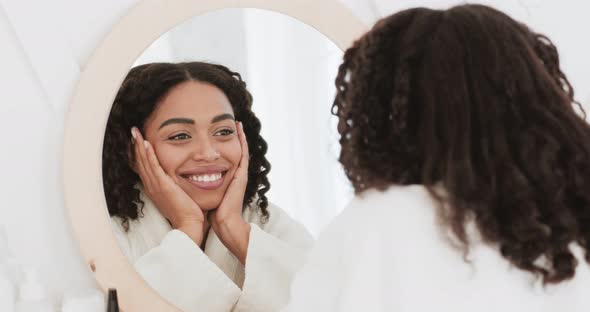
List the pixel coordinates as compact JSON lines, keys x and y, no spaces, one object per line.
{"x":185,"y":178}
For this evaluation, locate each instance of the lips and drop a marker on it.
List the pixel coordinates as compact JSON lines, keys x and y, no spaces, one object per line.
{"x":206,"y":178}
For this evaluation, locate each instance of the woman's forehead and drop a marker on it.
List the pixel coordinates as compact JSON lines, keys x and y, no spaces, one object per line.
{"x":193,"y":99}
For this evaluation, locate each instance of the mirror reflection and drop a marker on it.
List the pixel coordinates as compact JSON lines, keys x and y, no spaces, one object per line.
{"x":212,"y":154}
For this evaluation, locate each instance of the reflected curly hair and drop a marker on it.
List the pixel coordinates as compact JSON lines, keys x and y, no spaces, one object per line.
{"x":139,"y":95}
{"x":473,"y":101}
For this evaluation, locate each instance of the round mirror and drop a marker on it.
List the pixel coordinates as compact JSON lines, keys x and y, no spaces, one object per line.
{"x":287,"y":54}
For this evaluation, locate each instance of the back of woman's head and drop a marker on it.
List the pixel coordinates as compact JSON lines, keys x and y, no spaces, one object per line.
{"x":475,"y":102}
{"x":140,"y":93}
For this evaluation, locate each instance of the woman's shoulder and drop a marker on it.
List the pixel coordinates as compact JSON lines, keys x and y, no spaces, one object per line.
{"x":253,"y":214}
{"x":278,"y":223}
{"x":143,"y":233}
{"x":396,"y":213}
{"x":396,"y":204}
{"x":149,"y":220}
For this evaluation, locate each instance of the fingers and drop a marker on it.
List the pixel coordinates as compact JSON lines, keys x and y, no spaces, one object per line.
{"x":153,"y":163}
{"x":233,"y":199}
{"x":235,"y":192}
{"x":141,"y":161}
{"x":244,"y":161}
{"x":152,"y":173}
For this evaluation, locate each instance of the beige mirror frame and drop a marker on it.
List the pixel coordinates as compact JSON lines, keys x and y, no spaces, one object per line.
{"x":90,"y":107}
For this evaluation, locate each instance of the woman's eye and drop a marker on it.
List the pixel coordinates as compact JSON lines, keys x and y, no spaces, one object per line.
{"x":181,"y":136}
{"x":224,"y":132}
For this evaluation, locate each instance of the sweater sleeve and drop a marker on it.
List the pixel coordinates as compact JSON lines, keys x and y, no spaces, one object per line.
{"x":276,"y":251}
{"x":183,"y":275}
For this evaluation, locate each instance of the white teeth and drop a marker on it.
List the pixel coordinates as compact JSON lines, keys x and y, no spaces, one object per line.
{"x":205,"y":177}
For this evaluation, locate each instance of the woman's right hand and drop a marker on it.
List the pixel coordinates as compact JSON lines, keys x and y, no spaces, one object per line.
{"x":173,"y":203}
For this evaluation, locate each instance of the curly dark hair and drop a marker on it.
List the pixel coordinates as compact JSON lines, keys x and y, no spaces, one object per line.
{"x":474,"y":106}
{"x":139,"y":95}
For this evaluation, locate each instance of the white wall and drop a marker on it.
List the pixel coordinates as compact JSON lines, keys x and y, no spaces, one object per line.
{"x":565,"y":22}
{"x":44,"y":44}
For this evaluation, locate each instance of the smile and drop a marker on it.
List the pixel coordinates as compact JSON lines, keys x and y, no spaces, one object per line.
{"x":205,"y":177}
{"x":206,"y":181}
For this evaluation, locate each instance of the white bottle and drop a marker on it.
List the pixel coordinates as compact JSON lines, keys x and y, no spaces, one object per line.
{"x":6,"y":293}
{"x":32,"y":295}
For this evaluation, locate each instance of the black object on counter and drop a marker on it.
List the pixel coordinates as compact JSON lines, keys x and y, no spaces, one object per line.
{"x":112,"y":301}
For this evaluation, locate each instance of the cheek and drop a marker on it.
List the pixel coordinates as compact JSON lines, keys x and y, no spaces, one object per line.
{"x":231,"y":151}
{"x":170,"y":158}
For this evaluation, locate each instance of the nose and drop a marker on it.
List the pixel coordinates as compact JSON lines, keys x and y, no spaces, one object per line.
{"x":204,"y":150}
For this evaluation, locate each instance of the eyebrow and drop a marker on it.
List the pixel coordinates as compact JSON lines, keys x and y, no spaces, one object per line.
{"x":221,"y":117}
{"x":177,"y":121}
{"x":215,"y":119}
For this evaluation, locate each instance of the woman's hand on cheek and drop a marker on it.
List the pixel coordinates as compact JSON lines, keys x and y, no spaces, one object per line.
{"x":172,"y":202}
{"x":227,"y":220}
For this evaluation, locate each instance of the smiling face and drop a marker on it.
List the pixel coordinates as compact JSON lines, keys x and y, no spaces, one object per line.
{"x":194,"y":135}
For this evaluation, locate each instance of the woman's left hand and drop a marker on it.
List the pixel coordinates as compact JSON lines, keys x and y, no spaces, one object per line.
{"x":226,"y":220}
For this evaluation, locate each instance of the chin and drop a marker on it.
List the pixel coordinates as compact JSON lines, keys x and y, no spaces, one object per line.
{"x":208,"y":202}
